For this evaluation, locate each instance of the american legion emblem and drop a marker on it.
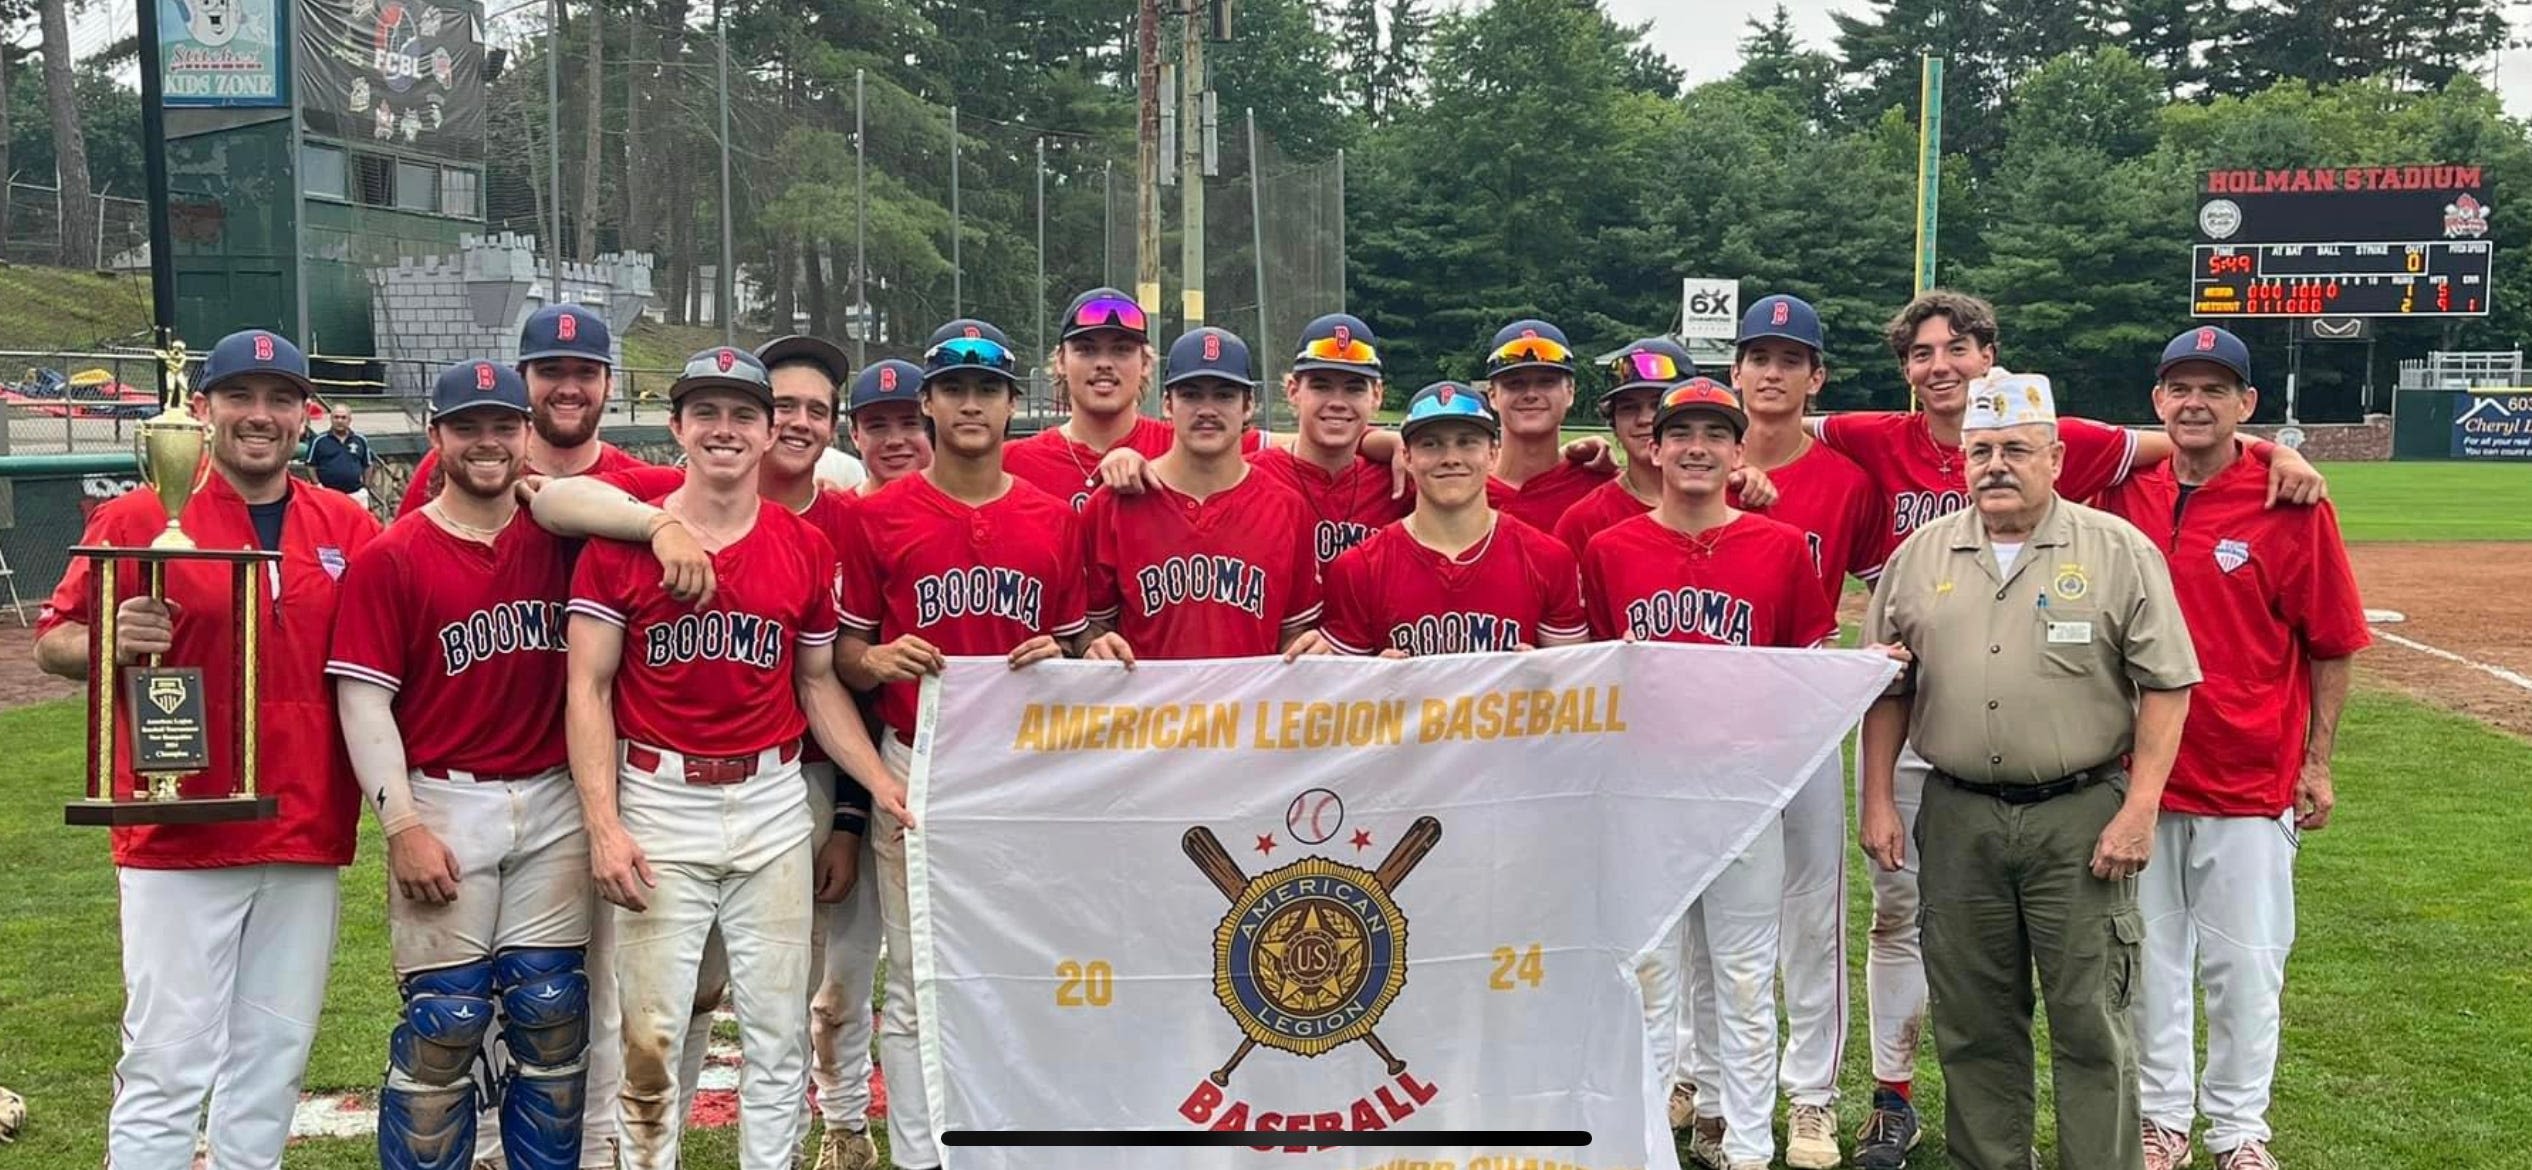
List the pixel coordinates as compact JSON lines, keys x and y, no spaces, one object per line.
{"x":1305,"y":961}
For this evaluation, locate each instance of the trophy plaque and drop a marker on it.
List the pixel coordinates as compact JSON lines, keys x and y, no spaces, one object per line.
{"x":166,"y":706}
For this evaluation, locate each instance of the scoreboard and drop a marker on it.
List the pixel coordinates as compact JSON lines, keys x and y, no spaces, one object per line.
{"x":2342,"y":242}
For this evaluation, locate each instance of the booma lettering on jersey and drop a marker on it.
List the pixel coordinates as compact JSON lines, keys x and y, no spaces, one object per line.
{"x":1458,"y":633}
{"x":735,"y":637}
{"x":979,"y":591}
{"x":1203,"y":577}
{"x":1709,"y":613}
{"x":1916,"y":509}
{"x":501,"y":629}
{"x":1334,"y":537}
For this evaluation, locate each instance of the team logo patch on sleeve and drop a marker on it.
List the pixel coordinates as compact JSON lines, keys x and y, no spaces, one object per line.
{"x":2232,"y":554}
{"x":330,"y":559}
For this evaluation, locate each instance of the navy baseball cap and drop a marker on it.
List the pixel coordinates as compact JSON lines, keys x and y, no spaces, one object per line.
{"x":817,"y":351}
{"x":1341,"y":342}
{"x":968,"y":343}
{"x":1208,"y":352}
{"x":478,"y":385}
{"x":893,"y":380}
{"x":1105,"y":308}
{"x":566,"y":330}
{"x":1783,"y":317}
{"x":255,"y":351}
{"x":1701,"y":396}
{"x":1647,"y":363}
{"x":2208,"y":343}
{"x":1447,"y":402}
{"x":724,"y":368}
{"x":1526,"y":344}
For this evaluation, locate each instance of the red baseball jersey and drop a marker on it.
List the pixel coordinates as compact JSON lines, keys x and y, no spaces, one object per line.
{"x":1517,"y":587}
{"x":1226,"y":577}
{"x":831,"y":513}
{"x":300,"y":759}
{"x":1542,"y":499}
{"x":470,"y":639}
{"x":426,"y":481}
{"x":1069,"y":471}
{"x":2266,"y":589}
{"x":716,"y":682}
{"x":1347,"y":506}
{"x":1747,"y":583}
{"x":1841,"y":514}
{"x":1921,"y":479}
{"x":969,"y":580}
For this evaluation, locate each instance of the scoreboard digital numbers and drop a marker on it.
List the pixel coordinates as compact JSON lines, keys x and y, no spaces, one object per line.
{"x":2407,"y":241}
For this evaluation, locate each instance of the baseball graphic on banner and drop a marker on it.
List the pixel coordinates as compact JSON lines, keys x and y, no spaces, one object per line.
{"x":1314,"y":816}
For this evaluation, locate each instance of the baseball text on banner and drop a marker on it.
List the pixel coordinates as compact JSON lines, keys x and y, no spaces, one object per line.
{"x":1336,"y":894}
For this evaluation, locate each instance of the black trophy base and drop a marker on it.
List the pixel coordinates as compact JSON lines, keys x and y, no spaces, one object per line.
{"x":205,"y":811}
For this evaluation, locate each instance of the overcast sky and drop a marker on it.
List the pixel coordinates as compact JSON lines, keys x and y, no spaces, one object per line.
{"x":1703,"y":36}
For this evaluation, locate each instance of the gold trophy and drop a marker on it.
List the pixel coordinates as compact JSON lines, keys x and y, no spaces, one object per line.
{"x":167,"y":708}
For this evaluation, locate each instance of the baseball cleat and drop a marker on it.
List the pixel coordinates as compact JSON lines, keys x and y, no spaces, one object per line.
{"x":1683,"y":1106}
{"x":846,"y":1149}
{"x":2165,"y":1149}
{"x":2251,"y":1155}
{"x":1888,"y":1134}
{"x":1705,"y":1144}
{"x":1811,"y":1138}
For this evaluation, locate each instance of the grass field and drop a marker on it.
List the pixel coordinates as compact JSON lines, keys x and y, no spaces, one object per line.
{"x":2408,"y":1012}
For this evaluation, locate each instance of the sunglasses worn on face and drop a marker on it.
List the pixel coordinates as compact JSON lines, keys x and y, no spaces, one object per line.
{"x":969,"y":351}
{"x":1110,"y":313}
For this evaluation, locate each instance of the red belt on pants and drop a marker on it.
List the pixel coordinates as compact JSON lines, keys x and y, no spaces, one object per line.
{"x":709,"y":770}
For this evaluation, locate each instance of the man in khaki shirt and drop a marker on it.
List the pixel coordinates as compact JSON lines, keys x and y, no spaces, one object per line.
{"x":2047,"y":646}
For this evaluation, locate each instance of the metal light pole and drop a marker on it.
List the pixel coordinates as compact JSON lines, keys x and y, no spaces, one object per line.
{"x":958,"y":229}
{"x":162,"y":246}
{"x":1265,"y":346}
{"x":554,"y":152}
{"x":724,"y":294}
{"x":1147,"y":160}
{"x":1191,"y":87}
{"x":861,"y":226}
{"x":1037,"y":341}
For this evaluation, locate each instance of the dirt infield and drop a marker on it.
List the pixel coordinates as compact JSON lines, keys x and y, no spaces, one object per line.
{"x":20,"y":682}
{"x":2464,"y":599}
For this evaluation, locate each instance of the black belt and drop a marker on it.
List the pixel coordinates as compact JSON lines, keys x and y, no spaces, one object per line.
{"x":2035,"y":793}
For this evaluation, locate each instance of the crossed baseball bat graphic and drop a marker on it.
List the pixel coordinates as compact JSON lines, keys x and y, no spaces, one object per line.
{"x":1207,"y":852}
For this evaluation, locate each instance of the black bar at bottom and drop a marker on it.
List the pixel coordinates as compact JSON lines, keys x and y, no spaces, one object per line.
{"x":1213,"y":1138}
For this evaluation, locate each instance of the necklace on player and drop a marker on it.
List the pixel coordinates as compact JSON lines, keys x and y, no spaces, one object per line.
{"x":440,"y":515}
{"x":1464,"y":557}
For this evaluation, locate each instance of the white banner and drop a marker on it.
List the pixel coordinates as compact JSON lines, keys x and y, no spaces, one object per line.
{"x":1710,"y":308}
{"x":1334,"y":894}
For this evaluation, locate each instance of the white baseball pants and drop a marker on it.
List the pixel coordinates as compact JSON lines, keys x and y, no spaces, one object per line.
{"x":735,"y":856}
{"x":843,"y":955}
{"x":1728,"y":1002}
{"x":909,"y":1115}
{"x":2219,"y":905}
{"x":1894,"y":963}
{"x":1812,"y":938}
{"x":522,"y":871}
{"x":224,"y":976}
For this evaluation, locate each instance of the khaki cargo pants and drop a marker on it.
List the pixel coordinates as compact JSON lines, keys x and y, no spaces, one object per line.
{"x":2007,"y":888}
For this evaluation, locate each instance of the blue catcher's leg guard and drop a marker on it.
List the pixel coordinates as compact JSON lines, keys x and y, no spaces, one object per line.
{"x":426,"y":1113}
{"x":545,"y":994}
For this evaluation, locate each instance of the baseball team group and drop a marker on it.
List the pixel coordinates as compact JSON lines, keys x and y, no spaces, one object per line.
{"x":636,"y":736}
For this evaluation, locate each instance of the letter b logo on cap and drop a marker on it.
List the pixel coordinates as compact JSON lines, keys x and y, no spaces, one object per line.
{"x":887,"y":379}
{"x":263,"y":347}
{"x":1780,"y":314}
{"x":1213,"y":347}
{"x":2206,"y":340}
{"x":483,"y":376}
{"x":567,"y":327}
